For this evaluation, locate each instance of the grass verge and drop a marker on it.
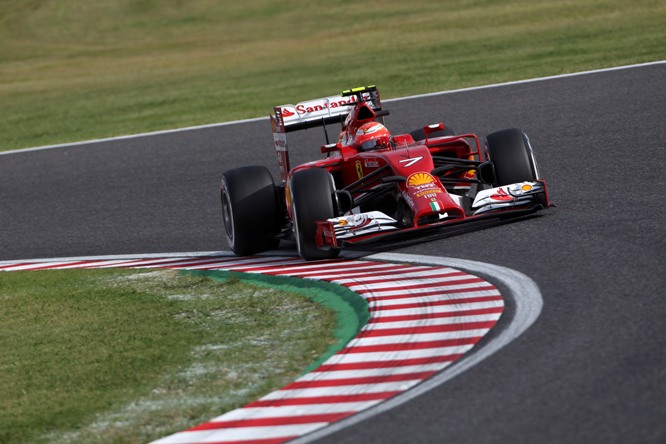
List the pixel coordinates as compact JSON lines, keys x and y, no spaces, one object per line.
{"x":72,"y":71}
{"x":129,"y":356}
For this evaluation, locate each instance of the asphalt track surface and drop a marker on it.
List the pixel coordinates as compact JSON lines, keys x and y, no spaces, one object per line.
{"x":593,"y":366}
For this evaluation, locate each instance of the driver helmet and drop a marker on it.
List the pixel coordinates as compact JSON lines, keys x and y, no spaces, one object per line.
{"x":372,"y":136}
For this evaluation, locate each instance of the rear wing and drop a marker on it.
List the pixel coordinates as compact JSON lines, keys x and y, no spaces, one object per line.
{"x":316,"y":113}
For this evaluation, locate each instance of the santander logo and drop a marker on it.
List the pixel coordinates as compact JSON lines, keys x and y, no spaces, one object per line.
{"x":318,"y":105}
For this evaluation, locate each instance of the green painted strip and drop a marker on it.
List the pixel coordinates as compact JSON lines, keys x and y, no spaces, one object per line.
{"x":352,"y":310}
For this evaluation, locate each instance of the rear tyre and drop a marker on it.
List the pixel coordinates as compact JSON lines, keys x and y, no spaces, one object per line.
{"x":312,"y":200}
{"x":512,"y":156}
{"x":250,"y":210}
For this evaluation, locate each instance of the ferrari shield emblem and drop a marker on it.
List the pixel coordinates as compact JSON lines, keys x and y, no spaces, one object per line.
{"x":359,"y":169}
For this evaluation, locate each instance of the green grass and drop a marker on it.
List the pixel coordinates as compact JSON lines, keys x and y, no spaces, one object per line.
{"x":72,"y":70}
{"x":129,"y":356}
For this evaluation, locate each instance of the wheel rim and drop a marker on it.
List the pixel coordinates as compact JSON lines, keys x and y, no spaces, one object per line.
{"x":530,"y":153}
{"x":227,"y":216}
{"x":297,"y":233}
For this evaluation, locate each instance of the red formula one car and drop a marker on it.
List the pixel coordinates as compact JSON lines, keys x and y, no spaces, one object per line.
{"x":371,"y":185}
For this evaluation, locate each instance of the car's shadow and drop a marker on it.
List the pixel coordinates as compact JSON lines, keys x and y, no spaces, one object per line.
{"x":408,"y":240}
{"x":441,"y":233}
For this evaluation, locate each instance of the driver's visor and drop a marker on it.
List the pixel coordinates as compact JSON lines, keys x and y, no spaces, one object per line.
{"x":370,"y":145}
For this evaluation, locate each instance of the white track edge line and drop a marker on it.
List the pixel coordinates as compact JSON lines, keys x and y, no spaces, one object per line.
{"x":396,"y":99}
{"x":128,"y":257}
{"x":526,"y":81}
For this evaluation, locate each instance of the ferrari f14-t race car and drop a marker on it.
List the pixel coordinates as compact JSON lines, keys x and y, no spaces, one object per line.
{"x":371,"y":185}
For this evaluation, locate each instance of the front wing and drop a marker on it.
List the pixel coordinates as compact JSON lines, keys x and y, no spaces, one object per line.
{"x":503,"y":202}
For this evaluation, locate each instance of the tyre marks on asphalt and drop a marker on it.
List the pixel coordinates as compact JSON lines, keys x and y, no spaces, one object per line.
{"x":422,"y":319}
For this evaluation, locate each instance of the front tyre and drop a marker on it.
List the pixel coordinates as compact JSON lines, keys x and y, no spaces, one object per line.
{"x":311,"y":193}
{"x":512,"y":156}
{"x":250,"y":210}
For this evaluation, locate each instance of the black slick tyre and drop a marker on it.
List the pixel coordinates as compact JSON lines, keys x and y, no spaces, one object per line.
{"x":512,"y":157}
{"x":250,"y":209}
{"x":311,"y":193}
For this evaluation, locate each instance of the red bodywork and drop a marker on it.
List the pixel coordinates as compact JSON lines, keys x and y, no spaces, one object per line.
{"x":409,"y":167}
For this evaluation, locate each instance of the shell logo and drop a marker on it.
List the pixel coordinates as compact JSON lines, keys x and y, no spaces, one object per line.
{"x":420,"y":179}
